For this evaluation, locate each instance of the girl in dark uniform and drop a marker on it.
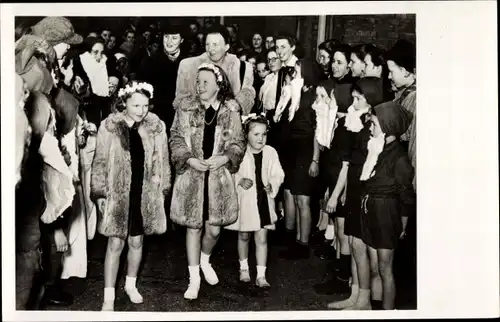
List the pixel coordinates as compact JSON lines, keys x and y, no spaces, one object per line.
{"x":333,"y":171}
{"x":388,"y":198}
{"x":366,"y":93}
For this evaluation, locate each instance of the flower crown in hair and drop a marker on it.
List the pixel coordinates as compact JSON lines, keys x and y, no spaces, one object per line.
{"x":129,"y":89}
{"x":214,"y":69}
{"x":245,"y":119}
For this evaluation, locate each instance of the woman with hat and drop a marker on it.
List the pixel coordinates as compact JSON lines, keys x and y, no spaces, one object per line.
{"x":167,"y":61}
{"x":388,"y":198}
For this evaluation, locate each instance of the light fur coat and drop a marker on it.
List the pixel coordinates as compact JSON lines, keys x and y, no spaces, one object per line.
{"x":112,"y":175}
{"x":188,"y":71}
{"x":186,"y":142}
{"x":272,"y":173}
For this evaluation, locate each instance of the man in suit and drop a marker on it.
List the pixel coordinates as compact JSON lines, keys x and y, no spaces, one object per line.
{"x":217,"y":46}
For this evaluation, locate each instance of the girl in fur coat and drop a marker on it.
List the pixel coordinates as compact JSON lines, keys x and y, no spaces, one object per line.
{"x":130,"y":178}
{"x":207,"y":148}
{"x":258,"y":182}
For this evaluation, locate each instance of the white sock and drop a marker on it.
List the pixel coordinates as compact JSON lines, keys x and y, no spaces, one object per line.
{"x":204,"y":259}
{"x":329,"y":232}
{"x":109,"y":294}
{"x":244,"y":264}
{"x":261,"y":271}
{"x":194,"y":272}
{"x":130,"y":282}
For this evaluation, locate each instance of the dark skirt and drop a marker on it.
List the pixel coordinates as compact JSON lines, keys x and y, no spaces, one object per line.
{"x":297,"y":161}
{"x":381,"y":223}
{"x":136,"y":227}
{"x":353,"y":202}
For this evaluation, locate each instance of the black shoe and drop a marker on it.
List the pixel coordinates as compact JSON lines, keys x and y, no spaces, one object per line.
{"x":325,"y":251}
{"x":58,"y":298}
{"x":285,"y":237}
{"x":332,"y":286}
{"x":295,"y":252}
{"x":317,"y":238}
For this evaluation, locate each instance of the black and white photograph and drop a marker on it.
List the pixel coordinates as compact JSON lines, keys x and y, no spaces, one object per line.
{"x":187,"y":163}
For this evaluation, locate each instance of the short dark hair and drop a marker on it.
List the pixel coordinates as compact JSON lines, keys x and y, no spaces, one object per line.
{"x":345,"y":49}
{"x":328,"y":46}
{"x":291,"y":39}
{"x":218,"y":29}
{"x":91,"y":41}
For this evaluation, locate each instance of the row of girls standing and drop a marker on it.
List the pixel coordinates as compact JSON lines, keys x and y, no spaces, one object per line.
{"x":366,"y":172}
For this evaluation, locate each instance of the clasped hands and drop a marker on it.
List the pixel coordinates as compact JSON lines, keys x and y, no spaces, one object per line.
{"x":213,"y":163}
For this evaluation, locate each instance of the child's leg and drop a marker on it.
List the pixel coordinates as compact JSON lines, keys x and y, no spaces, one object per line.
{"x":134,"y":257}
{"x":193,"y":245}
{"x":261,"y":257}
{"x":304,"y":205}
{"x":243,"y":239}
{"x":289,"y":203}
{"x":375,"y":279}
{"x":111,"y":265}
{"x":360,"y":255}
{"x":385,"y":257}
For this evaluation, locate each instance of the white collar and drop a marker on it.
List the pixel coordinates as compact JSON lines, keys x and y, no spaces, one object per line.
{"x":215,"y":105}
{"x":292,"y":61}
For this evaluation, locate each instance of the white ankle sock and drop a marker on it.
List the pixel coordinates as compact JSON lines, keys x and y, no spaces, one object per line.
{"x":244,"y":264}
{"x":329,"y":232}
{"x":261,"y":271}
{"x":204,"y":259}
{"x":109,"y":294}
{"x":130,"y":282}
{"x":194,"y":272}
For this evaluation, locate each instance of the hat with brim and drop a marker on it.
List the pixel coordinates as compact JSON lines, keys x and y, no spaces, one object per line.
{"x":56,"y":30}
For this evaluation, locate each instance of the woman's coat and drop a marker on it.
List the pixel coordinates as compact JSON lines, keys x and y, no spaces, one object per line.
{"x":272,"y":173}
{"x":112,"y":174}
{"x":186,"y":142}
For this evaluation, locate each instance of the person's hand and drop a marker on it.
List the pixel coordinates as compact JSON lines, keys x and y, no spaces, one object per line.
{"x":61,"y":241}
{"x":343,"y":197}
{"x":314,"y":169}
{"x":198,"y":165}
{"x":68,"y":73}
{"x":403,"y":235}
{"x":101,"y":205}
{"x":217,"y":161}
{"x":79,"y":84}
{"x":246,"y":183}
{"x":331,"y":206}
{"x":268,"y":188}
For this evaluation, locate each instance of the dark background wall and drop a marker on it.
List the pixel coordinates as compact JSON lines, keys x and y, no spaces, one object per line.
{"x":381,"y":30}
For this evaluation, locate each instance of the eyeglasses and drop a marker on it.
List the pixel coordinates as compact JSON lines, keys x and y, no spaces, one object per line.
{"x":272,"y":60}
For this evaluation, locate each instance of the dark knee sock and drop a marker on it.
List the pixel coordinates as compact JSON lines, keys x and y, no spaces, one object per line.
{"x":344,"y":268}
{"x":377,"y":305}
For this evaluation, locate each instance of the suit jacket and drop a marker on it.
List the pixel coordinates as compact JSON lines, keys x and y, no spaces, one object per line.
{"x":188,"y":70}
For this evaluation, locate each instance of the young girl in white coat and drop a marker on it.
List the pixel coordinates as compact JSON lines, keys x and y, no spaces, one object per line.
{"x":258,"y":181}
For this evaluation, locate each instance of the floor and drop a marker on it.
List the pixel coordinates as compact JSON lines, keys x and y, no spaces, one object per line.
{"x":164,"y":278}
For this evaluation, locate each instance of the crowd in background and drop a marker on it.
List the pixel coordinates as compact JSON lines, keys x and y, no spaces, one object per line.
{"x":220,"y":126}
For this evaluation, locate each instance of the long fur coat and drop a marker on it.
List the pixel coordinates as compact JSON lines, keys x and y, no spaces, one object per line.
{"x":272,"y":173}
{"x":186,"y":141}
{"x":112,"y":175}
{"x":244,"y":91}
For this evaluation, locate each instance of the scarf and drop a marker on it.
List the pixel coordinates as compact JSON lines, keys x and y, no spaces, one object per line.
{"x":267,"y":93}
{"x":375,"y":147}
{"x":97,"y":73}
{"x":326,"y":119}
{"x":353,"y":121}
{"x":289,"y":92}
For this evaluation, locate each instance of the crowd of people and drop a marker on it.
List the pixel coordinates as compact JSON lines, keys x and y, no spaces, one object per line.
{"x":191,"y":127}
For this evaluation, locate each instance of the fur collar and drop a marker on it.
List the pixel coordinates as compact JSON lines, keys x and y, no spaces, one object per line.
{"x":151,"y":124}
{"x":226,"y":64}
{"x":194,"y":103}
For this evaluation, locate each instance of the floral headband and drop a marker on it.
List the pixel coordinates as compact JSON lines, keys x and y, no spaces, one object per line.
{"x":245,"y":119}
{"x":129,"y":89}
{"x":214,"y":69}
